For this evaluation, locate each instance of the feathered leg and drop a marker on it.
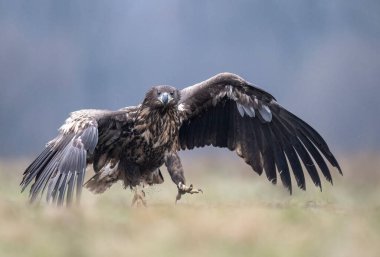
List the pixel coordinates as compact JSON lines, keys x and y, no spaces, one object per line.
{"x":174,"y":166}
{"x":139,"y":197}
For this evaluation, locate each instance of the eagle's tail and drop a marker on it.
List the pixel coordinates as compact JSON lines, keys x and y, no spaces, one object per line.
{"x":154,"y":178}
{"x":104,"y":179}
{"x":110,"y":174}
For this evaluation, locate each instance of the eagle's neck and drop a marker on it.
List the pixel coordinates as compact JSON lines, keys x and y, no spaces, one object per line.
{"x":158,"y":127}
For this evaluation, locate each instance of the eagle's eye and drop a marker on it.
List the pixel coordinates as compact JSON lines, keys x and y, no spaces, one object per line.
{"x":158,"y":93}
{"x":172,"y":93}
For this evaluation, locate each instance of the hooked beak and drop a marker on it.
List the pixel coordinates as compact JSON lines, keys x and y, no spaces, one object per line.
{"x":165,"y":98}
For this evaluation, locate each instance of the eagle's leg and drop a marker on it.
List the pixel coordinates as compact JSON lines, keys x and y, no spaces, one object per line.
{"x":139,"y":197}
{"x":131,"y":176}
{"x":174,"y":166}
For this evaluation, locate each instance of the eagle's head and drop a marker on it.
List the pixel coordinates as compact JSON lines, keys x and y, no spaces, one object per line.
{"x":162,"y":97}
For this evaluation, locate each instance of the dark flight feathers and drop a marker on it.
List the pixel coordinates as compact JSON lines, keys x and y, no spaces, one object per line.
{"x":226,"y":111}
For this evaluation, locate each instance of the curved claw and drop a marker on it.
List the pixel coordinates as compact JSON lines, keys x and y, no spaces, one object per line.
{"x":194,"y":191}
{"x":183,"y":189}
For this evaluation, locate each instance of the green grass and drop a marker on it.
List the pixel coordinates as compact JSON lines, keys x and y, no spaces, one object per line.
{"x":239,"y":214}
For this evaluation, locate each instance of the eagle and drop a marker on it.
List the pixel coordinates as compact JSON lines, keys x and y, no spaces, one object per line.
{"x":131,"y":144}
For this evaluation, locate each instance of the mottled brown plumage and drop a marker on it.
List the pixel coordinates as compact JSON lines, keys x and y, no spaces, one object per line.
{"x":131,"y":144}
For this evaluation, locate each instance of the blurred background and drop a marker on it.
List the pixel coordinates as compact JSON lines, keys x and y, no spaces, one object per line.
{"x":320,"y":59}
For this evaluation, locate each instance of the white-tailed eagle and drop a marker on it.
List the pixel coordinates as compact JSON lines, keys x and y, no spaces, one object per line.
{"x":131,"y":144}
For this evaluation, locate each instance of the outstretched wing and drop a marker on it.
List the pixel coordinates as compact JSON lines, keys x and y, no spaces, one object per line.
{"x":61,"y":167}
{"x":227,"y":111}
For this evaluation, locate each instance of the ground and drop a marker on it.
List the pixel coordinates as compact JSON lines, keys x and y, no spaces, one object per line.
{"x":239,"y":214}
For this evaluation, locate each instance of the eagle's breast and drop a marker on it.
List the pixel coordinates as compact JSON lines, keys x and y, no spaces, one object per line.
{"x":156,"y":134}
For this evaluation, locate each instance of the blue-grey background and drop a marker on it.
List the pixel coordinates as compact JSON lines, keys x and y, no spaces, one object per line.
{"x":320,"y":59}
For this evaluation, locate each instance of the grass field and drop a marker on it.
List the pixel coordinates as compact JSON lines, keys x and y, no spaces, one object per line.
{"x":239,"y":214}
